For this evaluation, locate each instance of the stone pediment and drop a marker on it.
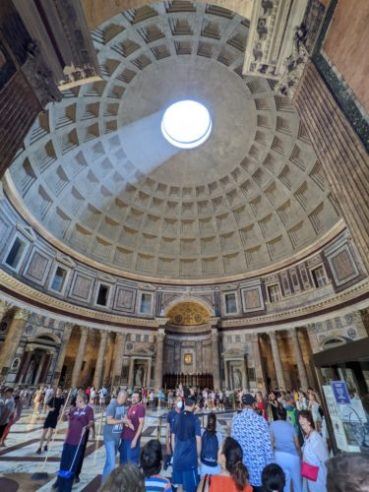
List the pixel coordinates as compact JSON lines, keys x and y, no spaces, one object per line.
{"x":140,"y":349}
{"x":233,"y":353}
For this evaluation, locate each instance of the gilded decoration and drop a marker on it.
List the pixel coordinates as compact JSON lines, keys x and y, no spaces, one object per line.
{"x":187,"y":359}
{"x":189,"y":314}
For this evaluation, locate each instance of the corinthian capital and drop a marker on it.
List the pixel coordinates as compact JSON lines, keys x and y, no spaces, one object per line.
{"x":4,"y":306}
{"x":22,"y":314}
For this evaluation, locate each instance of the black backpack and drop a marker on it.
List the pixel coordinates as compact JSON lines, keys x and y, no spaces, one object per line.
{"x":209,"y":448}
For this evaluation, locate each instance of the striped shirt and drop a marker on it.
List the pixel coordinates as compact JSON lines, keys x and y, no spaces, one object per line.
{"x":156,"y":483}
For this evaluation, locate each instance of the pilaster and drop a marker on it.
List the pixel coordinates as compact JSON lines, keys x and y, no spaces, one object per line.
{"x":277,"y":360}
{"x":79,"y":358}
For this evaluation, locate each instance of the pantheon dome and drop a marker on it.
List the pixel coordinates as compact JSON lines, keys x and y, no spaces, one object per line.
{"x":125,"y":258}
{"x":97,"y":176}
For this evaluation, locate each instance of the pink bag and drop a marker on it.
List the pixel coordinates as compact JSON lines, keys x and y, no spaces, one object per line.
{"x":309,"y":471}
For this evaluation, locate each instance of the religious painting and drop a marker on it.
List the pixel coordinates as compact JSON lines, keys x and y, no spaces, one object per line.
{"x":187,"y":359}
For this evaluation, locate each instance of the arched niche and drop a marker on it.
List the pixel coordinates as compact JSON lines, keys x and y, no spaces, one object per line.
{"x":188,"y":313}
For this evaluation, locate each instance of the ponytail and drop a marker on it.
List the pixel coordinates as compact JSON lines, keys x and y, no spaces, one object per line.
{"x":233,"y":455}
{"x":239,"y":475}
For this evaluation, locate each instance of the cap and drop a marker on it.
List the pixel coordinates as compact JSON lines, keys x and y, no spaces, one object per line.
{"x":248,"y":399}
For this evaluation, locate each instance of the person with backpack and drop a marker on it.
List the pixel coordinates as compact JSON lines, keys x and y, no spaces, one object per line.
{"x":210,"y":444}
{"x":234,"y":474}
{"x":186,"y":445}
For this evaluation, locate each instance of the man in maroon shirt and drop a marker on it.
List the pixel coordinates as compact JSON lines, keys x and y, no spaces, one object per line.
{"x":81,"y":418}
{"x":130,"y":445}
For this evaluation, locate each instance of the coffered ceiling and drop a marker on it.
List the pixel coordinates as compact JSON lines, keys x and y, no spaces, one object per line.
{"x":96,"y":174}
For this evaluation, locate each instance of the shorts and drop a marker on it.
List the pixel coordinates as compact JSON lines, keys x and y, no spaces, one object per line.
{"x":50,"y":422}
{"x":189,"y":479}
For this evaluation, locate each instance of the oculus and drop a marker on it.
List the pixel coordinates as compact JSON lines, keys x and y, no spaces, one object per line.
{"x":186,"y":124}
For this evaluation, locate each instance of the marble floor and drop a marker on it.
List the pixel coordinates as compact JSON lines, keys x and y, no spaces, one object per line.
{"x":18,"y":460}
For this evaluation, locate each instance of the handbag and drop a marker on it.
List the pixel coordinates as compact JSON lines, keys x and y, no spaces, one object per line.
{"x":309,"y":471}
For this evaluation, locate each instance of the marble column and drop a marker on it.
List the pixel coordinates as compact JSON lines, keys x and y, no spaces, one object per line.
{"x":148,"y":376}
{"x":215,"y":355}
{"x":98,"y":375}
{"x":120,"y":341}
{"x":226,"y":375}
{"x":79,"y":358}
{"x":12,"y":339}
{"x":40,"y":368}
{"x":24,"y":366}
{"x":260,"y":383}
{"x":277,"y":360}
{"x":245,"y":379}
{"x":305,"y":343}
{"x":313,"y":338}
{"x":68,"y":327}
{"x":4,"y":306}
{"x":299,"y":359}
{"x":130,"y":372}
{"x":160,"y":337}
{"x":108,"y":359}
{"x":45,"y":368}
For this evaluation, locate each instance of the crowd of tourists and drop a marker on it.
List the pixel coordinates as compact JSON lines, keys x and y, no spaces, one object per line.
{"x":276,"y":443}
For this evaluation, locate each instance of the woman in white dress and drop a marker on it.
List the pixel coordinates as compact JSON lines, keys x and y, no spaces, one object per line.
{"x":314,"y":452}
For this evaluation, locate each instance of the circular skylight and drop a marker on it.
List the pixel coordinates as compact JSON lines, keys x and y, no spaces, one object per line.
{"x":186,"y":124}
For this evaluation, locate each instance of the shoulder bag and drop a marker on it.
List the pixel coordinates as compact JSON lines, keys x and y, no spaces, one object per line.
{"x":309,"y":471}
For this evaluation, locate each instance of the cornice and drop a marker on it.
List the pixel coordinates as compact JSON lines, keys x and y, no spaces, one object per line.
{"x":24,"y":296}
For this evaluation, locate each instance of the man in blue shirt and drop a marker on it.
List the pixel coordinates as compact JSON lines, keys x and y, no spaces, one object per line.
{"x":186,"y":445}
{"x":171,"y":417}
{"x":252,"y":433}
{"x":115,"y":419}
